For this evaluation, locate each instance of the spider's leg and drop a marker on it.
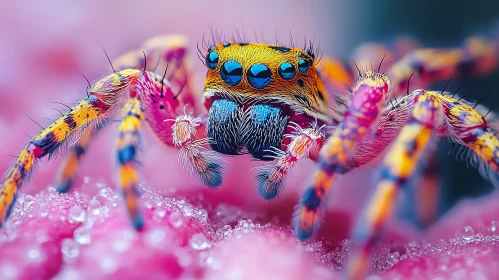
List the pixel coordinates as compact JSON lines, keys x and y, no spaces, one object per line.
{"x":102,"y":97}
{"x":368,"y":98}
{"x":127,"y":148}
{"x":154,"y":55}
{"x":71,"y":163}
{"x":427,"y":188}
{"x":477,"y":56}
{"x":305,"y":143}
{"x":398,"y":165}
{"x":468,"y":127}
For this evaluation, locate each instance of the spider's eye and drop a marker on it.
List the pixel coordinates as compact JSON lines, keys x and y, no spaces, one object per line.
{"x":226,"y":44}
{"x":259,"y":75}
{"x":286,"y":71}
{"x":232,"y":72}
{"x":304,"y":65}
{"x":211,"y":48}
{"x":212,"y":60}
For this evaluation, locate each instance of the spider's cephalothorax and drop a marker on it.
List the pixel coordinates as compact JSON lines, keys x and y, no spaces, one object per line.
{"x":269,"y":101}
{"x":253,"y":91}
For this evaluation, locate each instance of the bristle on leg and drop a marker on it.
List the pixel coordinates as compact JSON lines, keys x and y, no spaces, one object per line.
{"x":304,"y":144}
{"x":204,"y":164}
{"x":127,"y":148}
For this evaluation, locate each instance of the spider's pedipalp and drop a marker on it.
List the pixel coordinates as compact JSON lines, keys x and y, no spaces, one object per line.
{"x":204,"y":164}
{"x":305,"y":143}
{"x":399,"y":164}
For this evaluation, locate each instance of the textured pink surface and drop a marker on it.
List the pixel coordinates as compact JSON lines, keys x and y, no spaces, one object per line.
{"x":76,"y":236}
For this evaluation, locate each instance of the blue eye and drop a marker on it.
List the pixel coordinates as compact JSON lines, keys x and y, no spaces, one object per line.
{"x":286,"y":71}
{"x":211,"y":48}
{"x":259,"y":75}
{"x":304,"y":65}
{"x":226,"y":44}
{"x":232,"y":72}
{"x":212,"y":60}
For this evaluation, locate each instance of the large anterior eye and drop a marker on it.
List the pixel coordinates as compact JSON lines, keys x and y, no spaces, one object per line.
{"x":259,"y":75}
{"x":231,"y":72}
{"x":286,"y":70}
{"x":304,"y":65}
{"x":212,"y":60}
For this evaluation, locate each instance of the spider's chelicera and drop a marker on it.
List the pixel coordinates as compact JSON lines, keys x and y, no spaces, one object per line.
{"x":270,"y":101}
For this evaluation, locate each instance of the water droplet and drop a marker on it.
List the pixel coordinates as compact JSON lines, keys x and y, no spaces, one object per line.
{"x":35,"y":254}
{"x":77,"y":214}
{"x":108,"y":264}
{"x":86,"y":180}
{"x":203,"y":215}
{"x":120,"y":245}
{"x":82,"y":235}
{"x":176,"y":219}
{"x":101,"y":183}
{"x":187,"y":210}
{"x":160,"y":212}
{"x":227,"y":231}
{"x":492,"y":226}
{"x":70,"y":249}
{"x":468,"y":233}
{"x":155,"y":238}
{"x":43,"y":209}
{"x":199,"y":242}
{"x":94,"y":207}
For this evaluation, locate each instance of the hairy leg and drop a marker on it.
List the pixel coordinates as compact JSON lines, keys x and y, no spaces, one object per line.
{"x":398,"y":166}
{"x":102,"y":98}
{"x":430,"y":111}
{"x":368,"y":98}
{"x":127,"y":148}
{"x":156,"y":53}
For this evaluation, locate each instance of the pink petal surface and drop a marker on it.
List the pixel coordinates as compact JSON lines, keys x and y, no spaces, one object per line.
{"x":76,"y":236}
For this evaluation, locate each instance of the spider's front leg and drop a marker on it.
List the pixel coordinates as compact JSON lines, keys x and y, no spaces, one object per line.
{"x":429,"y":112}
{"x":84,"y":116}
{"x":152,"y":100}
{"x":156,"y":53}
{"x":368,"y":98}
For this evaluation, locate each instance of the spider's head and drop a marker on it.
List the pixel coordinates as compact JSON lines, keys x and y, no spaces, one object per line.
{"x":253,"y":91}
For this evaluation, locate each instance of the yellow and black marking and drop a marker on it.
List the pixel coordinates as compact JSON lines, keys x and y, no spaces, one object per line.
{"x":468,"y":127}
{"x":47,"y":142}
{"x":368,"y":98}
{"x":71,"y":163}
{"x":398,"y":165}
{"x":95,"y":107}
{"x":477,"y":56}
{"x":127,"y":148}
{"x":69,"y":167}
{"x":255,"y":71}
